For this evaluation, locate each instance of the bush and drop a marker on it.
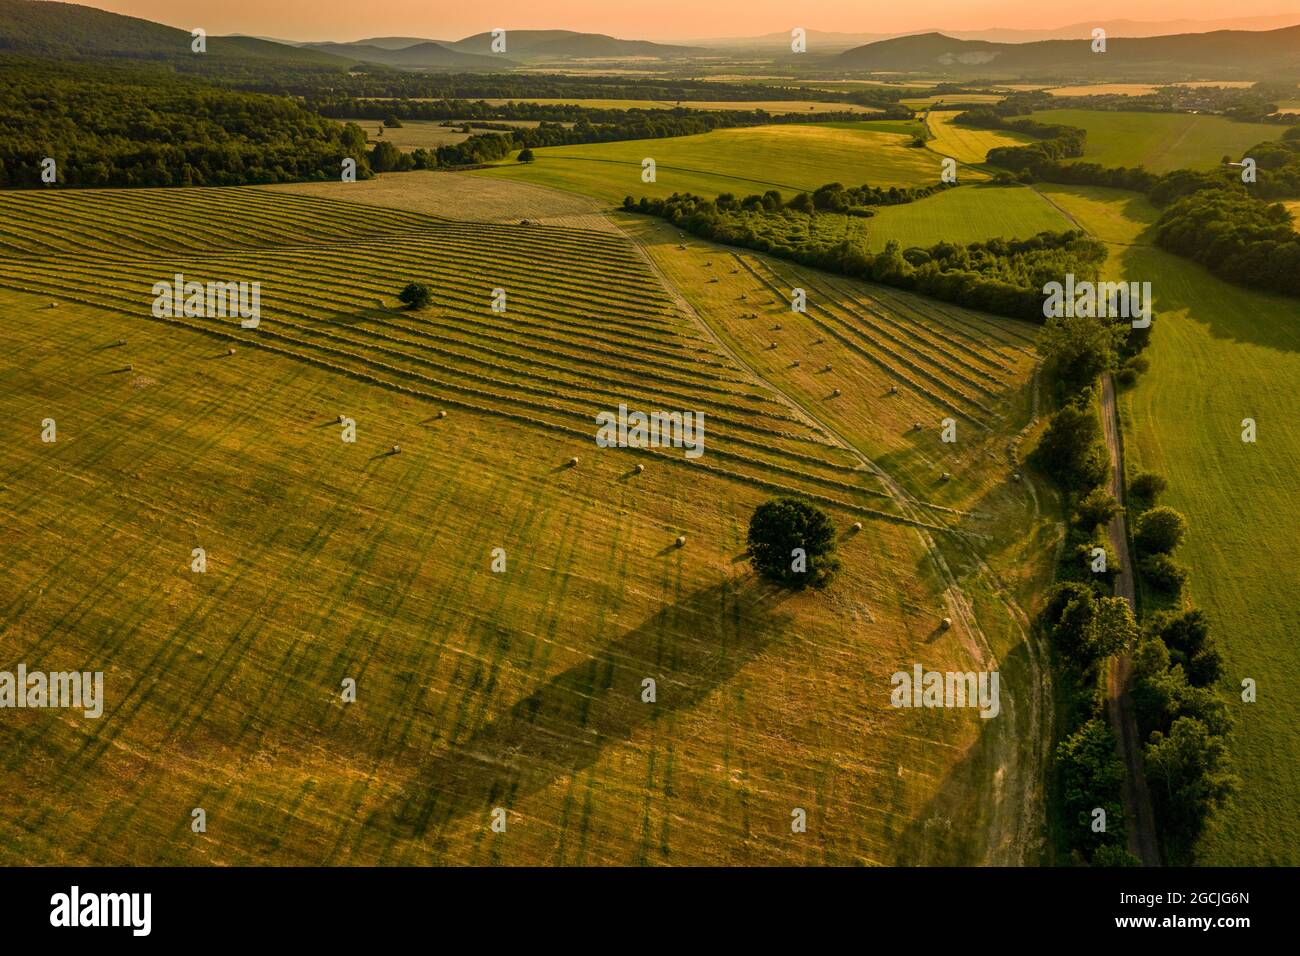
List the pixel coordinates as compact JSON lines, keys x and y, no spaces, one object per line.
{"x":782,"y":525}
{"x":1096,"y":508}
{"x":392,"y":122}
{"x":1163,"y":573}
{"x":1148,"y":486}
{"x":1160,"y":530}
{"x":415,"y":295}
{"x":526,"y":155}
{"x":1070,"y":450}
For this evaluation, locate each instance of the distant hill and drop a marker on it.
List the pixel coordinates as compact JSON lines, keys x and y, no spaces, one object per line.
{"x":567,"y":43}
{"x":1234,"y":50}
{"x":72,"y":31}
{"x":422,"y":55}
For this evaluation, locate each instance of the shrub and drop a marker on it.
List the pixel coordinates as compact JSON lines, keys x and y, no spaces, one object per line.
{"x":1148,"y":486}
{"x":1163,"y":573}
{"x":526,"y":155}
{"x":416,"y":295}
{"x":1160,"y":530}
{"x":1097,"y":507}
{"x":781,"y":526}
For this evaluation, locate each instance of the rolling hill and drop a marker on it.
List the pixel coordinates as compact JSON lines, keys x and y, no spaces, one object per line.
{"x":72,"y":31}
{"x":1236,"y":50}
{"x":422,"y":55}
{"x":567,"y":43}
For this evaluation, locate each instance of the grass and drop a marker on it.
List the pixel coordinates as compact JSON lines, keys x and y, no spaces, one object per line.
{"x":771,"y":106}
{"x":966,"y":214}
{"x":742,"y":161}
{"x":964,"y":143}
{"x":1220,"y":353}
{"x":1160,"y":141}
{"x":328,"y":560}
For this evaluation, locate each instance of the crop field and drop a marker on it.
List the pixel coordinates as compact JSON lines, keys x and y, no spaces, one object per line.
{"x":923,"y":102}
{"x":1220,"y":354}
{"x":964,"y":143}
{"x":1160,"y":141}
{"x":897,"y":360}
{"x":741,"y":161}
{"x":329,"y":560}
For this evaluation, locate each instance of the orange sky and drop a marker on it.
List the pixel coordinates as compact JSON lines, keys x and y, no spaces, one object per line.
{"x":657,"y":19}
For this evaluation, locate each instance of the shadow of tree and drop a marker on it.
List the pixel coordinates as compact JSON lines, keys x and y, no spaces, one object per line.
{"x":689,"y":649}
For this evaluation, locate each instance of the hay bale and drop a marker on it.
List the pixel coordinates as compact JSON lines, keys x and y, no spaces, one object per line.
{"x":893,"y":390}
{"x":835,"y":393}
{"x":945,"y":477}
{"x":827,"y":367}
{"x":230,"y":351}
{"x":771,"y":345}
{"x":946,"y":623}
{"x":573,"y":462}
{"x":397,"y":449}
{"x":857,"y":526}
{"x":54,"y":305}
{"x":341,"y":417}
{"x":681,"y":540}
{"x":121,"y":341}
{"x":639,"y":468}
{"x":916,"y":426}
{"x":442,"y":413}
{"x":794,"y":364}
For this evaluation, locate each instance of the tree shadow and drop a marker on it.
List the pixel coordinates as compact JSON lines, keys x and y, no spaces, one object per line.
{"x":689,"y":649}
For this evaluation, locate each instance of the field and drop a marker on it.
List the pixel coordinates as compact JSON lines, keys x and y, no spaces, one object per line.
{"x":478,"y":690}
{"x":771,"y":106}
{"x":966,"y":214}
{"x":964,"y":143}
{"x":418,"y":134}
{"x":1220,"y":353}
{"x":741,"y":161}
{"x":1294,"y":208}
{"x":1160,"y":141}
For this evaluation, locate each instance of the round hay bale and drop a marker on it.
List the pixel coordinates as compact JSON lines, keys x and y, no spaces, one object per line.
{"x":835,"y":393}
{"x":397,"y":449}
{"x":341,"y":417}
{"x":946,"y":623}
{"x":681,"y":540}
{"x":130,"y":366}
{"x":828,"y":367}
{"x":893,"y":390}
{"x":230,"y":351}
{"x":794,"y":364}
{"x":639,"y":469}
{"x":121,"y":341}
{"x":945,"y":477}
{"x":54,"y":305}
{"x":442,"y":413}
{"x":916,"y":426}
{"x":771,"y":345}
{"x":777,"y":327}
{"x":857,"y":526}
{"x":573,"y":462}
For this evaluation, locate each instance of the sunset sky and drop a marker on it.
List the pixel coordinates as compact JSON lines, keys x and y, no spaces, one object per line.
{"x":657,"y":19}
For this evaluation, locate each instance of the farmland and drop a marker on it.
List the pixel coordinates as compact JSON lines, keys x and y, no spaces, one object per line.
{"x":966,"y":214}
{"x":330,"y":560}
{"x":1160,"y":141}
{"x":1219,"y":354}
{"x":965,"y":143}
{"x":741,"y":161}
{"x":770,"y":106}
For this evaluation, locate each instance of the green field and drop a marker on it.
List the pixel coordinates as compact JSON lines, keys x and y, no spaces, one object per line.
{"x":966,"y":214}
{"x":1219,"y":354}
{"x":1160,"y":141}
{"x":741,"y":161}
{"x":476,"y":690}
{"x":964,"y":143}
{"x":770,"y":106}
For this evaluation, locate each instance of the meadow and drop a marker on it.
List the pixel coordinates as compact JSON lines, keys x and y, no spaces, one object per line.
{"x":1160,"y":141}
{"x":965,"y":143}
{"x":1219,"y":354}
{"x":789,"y":158}
{"x":372,"y":561}
{"x":966,"y":214}
{"x":770,"y":106}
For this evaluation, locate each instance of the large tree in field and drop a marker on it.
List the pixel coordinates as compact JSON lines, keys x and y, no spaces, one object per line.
{"x":792,"y":542}
{"x":1077,"y":350}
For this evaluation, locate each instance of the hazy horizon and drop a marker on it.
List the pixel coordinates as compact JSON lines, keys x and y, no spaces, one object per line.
{"x":322,"y":20}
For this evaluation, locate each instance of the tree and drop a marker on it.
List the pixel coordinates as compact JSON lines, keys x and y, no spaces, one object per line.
{"x":392,"y":122}
{"x":1159,"y":530}
{"x":1070,"y":450}
{"x":1189,"y":778}
{"x":526,"y":155}
{"x":792,"y":542}
{"x":416,"y":295}
{"x":1077,"y":350}
{"x":1097,"y":507}
{"x":1148,"y":486}
{"x":1163,"y":573}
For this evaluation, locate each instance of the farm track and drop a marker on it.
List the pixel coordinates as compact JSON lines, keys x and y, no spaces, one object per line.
{"x":1018,"y":809}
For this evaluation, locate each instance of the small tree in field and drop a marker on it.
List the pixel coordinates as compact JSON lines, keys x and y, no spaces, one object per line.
{"x":792,"y":542}
{"x":526,"y":155}
{"x":416,"y":295}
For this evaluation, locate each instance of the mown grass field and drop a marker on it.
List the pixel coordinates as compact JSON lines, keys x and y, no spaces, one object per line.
{"x":1221,"y":353}
{"x":771,"y":106}
{"x":1160,"y":141}
{"x":964,"y":143}
{"x":966,"y":214}
{"x":741,"y":161}
{"x":327,"y":560}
